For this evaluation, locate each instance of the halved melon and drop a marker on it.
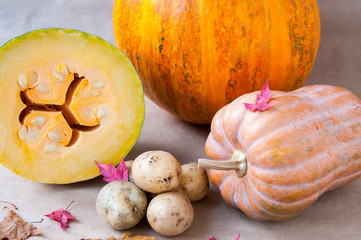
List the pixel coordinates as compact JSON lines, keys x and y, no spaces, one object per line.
{"x":67,"y":99}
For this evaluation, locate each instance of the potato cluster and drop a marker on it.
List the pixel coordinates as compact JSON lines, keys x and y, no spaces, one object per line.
{"x":170,"y":187}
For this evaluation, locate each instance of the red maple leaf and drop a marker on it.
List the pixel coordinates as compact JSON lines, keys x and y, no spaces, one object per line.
{"x":262,"y":100}
{"x":61,"y":216}
{"x":111,"y":174}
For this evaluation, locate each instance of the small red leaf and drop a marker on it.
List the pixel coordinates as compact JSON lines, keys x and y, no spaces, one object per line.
{"x":213,"y":238}
{"x":111,"y":174}
{"x":122,"y":171}
{"x":61,"y":216}
{"x":262,"y":100}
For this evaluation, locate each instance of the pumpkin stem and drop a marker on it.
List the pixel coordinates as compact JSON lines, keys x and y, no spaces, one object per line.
{"x":238,"y":163}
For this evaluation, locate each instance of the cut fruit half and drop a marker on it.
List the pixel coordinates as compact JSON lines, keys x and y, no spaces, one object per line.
{"x":67,"y":99}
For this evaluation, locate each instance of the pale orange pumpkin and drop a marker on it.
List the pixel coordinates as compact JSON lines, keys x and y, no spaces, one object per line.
{"x":307,"y":143}
{"x":195,"y":56}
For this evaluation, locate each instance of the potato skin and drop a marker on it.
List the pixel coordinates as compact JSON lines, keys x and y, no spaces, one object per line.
{"x":156,"y":171}
{"x":121,"y":204}
{"x":129,"y":165}
{"x":170,"y":213}
{"x":194,"y":182}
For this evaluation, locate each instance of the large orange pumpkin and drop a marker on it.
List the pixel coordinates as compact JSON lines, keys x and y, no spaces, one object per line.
{"x":196,"y":56}
{"x":307,"y":143}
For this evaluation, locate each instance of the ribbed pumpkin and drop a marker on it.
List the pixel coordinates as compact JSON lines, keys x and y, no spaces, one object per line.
{"x":196,"y":56}
{"x":307,"y":143}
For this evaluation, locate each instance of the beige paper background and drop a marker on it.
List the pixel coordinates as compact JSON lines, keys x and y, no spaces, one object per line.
{"x":335,"y":215}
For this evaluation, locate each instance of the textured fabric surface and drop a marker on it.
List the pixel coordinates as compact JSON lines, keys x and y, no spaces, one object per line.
{"x":335,"y":215}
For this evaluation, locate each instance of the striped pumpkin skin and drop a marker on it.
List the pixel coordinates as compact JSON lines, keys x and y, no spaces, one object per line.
{"x":194,"y":57}
{"x":307,"y":143}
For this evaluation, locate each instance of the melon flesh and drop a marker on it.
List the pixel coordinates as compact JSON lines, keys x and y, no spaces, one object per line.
{"x":67,"y":99}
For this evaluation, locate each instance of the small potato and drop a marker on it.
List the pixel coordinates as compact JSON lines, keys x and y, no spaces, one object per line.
{"x":194,"y":182}
{"x":156,"y":171}
{"x":170,"y":213}
{"x":121,"y":204}
{"x":129,"y":164}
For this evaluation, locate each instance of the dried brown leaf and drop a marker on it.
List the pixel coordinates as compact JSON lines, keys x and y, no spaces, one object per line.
{"x":12,"y":227}
{"x":126,"y":236}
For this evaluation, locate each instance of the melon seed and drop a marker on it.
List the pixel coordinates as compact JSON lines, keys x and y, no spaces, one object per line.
{"x":63,"y":68}
{"x":53,"y":136}
{"x":38,"y":121}
{"x":42,"y":88}
{"x":94,"y":92}
{"x":98,"y":84}
{"x":23,"y":133}
{"x":32,"y":134}
{"x":58,"y":77}
{"x":101,"y":112}
{"x":51,"y":147}
{"x":91,"y":113}
{"x":23,"y":81}
{"x":32,"y":78}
